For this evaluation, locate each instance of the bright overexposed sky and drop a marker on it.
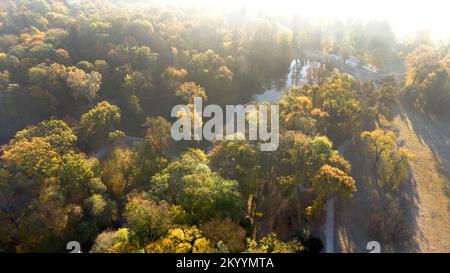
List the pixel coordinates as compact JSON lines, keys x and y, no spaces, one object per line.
{"x":406,"y":16}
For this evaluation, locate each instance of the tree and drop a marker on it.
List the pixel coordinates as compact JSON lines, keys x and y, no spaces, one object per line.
{"x":422,"y":61}
{"x":143,"y":58}
{"x":190,"y":183}
{"x":113,"y":242}
{"x":158,"y":134}
{"x":236,"y":160}
{"x":45,"y":187}
{"x":43,"y":222}
{"x":173,"y":77}
{"x":38,"y":75}
{"x":33,"y":158}
{"x":96,"y":124}
{"x":56,"y":132}
{"x":435,"y":96}
{"x":137,"y":83}
{"x":225,"y":235}
{"x":56,"y":36}
{"x":119,"y":171}
{"x":85,"y":86}
{"x":42,"y":51}
{"x":206,"y":194}
{"x":103,"y":211}
{"x":62,"y":56}
{"x":343,"y":111}
{"x":181,"y":240}
{"x":141,"y":29}
{"x":40,"y":6}
{"x":330,"y":108}
{"x":387,"y":96}
{"x":297,"y":114}
{"x":328,"y":183}
{"x":271,"y":244}
{"x":427,"y":77}
{"x":148,"y":220}
{"x":188,"y":90}
{"x":311,"y":163}
{"x":58,"y":78}
{"x":86,"y":66}
{"x":388,"y":163}
{"x":75,"y":174}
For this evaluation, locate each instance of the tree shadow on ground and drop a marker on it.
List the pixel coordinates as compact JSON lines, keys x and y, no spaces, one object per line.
{"x":435,"y":133}
{"x":355,"y":218}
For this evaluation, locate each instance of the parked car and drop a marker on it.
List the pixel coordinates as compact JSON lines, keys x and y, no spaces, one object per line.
{"x":335,"y":57}
{"x":370,"y":69}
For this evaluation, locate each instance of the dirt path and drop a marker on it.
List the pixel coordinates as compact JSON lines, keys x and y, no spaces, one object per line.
{"x":329,"y":226}
{"x":429,"y":146}
{"x":351,"y":219}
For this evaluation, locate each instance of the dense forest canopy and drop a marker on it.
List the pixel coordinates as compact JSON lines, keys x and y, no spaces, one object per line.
{"x":86,"y":89}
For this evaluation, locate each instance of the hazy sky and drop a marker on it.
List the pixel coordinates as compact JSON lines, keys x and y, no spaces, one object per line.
{"x":406,"y":16}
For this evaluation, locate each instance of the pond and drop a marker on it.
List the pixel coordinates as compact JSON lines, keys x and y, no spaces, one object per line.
{"x":297,"y":75}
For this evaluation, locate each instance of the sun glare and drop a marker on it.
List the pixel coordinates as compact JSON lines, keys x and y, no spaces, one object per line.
{"x":406,"y":17}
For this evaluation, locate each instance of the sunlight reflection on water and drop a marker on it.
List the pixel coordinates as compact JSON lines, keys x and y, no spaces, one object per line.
{"x":298,"y":75}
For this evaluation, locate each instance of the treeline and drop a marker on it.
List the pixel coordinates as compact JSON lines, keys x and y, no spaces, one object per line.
{"x":139,"y":196}
{"x":427,"y":80}
{"x":87,"y":75}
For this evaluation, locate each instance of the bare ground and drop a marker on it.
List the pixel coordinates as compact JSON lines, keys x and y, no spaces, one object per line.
{"x":428,"y":143}
{"x":425,"y":198}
